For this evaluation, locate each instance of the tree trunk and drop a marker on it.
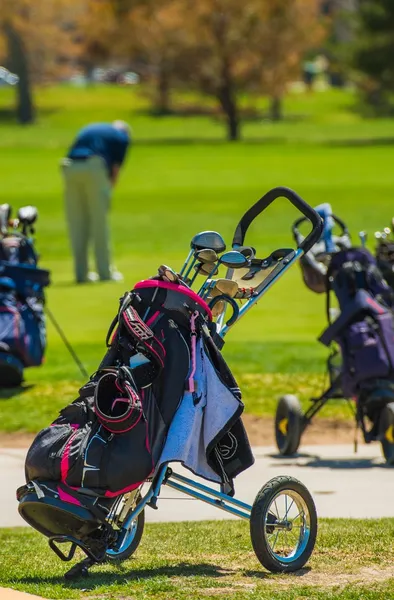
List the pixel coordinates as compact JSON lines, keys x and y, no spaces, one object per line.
{"x":19,"y":65}
{"x":229,"y":106}
{"x":162,"y":104}
{"x":88,"y":68}
{"x":276,"y":108}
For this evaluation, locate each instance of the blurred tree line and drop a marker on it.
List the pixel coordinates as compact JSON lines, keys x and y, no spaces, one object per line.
{"x":222,"y":48}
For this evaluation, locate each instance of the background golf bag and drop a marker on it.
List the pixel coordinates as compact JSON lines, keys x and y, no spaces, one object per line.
{"x":22,"y":322}
{"x":364,"y":328}
{"x":315,"y":262}
{"x":109,"y":441}
{"x":385,"y":260}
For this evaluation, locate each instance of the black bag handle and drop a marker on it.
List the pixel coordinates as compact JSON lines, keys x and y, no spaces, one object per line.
{"x":309,"y":213}
{"x":296,"y":233}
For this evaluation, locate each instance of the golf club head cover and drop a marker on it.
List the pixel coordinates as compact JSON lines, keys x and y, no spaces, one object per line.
{"x":116,"y":402}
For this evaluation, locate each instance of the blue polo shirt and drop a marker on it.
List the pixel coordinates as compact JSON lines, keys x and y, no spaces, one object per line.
{"x":101,"y":139}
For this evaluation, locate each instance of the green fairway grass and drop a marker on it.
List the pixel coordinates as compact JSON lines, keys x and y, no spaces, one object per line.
{"x":181,"y":178}
{"x":352,"y":560}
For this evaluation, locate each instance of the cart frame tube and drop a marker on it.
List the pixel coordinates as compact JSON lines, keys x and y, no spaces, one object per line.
{"x":272,"y":278}
{"x":166,"y":476}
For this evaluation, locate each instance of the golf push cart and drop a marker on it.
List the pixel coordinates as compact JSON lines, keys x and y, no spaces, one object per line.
{"x":22,"y":298}
{"x":360,"y":365}
{"x":108,"y":525}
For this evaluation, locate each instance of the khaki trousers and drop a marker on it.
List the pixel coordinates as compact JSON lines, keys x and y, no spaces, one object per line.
{"x":87,"y":196}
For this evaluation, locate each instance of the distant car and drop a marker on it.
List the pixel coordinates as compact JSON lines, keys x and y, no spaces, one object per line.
{"x":112,"y":75}
{"x":130,"y":78}
{"x":8,"y":78}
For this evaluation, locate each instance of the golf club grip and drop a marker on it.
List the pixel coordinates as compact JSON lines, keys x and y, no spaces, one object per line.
{"x":265,"y":201}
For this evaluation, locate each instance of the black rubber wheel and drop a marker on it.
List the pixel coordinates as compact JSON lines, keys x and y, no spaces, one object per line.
{"x":283,"y":525}
{"x":288,"y":425}
{"x":386,"y":431}
{"x":131,"y":541}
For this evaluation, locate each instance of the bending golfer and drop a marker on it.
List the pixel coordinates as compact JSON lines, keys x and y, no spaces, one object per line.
{"x":90,"y":171}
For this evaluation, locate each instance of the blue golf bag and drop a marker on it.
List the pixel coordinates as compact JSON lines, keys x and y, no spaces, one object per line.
{"x":22,"y":321}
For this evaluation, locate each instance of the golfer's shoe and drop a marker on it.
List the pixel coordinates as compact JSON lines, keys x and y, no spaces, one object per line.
{"x":116,"y":276}
{"x":92,"y":277}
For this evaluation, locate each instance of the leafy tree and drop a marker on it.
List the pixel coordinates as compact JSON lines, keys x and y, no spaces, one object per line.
{"x":155,"y":36}
{"x":34,"y":42}
{"x":255,"y":45}
{"x":99,"y":24}
{"x":374,"y":52}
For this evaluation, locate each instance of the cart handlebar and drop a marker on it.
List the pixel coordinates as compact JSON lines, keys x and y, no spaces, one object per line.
{"x":309,"y":214}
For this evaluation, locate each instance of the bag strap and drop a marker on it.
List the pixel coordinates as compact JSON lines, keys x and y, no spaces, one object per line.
{"x":125,"y":301}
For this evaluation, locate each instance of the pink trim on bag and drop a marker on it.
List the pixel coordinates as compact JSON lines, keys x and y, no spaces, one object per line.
{"x":129,"y":488}
{"x":108,"y":420}
{"x":193,"y":344}
{"x":149,"y":283}
{"x":65,"y":463}
{"x":113,"y":335}
{"x":375,"y":305}
{"x":154,"y":352}
{"x":64,"y":497}
{"x":126,"y":318}
{"x":119,"y":400}
{"x":124,"y":430}
{"x":152,"y":318}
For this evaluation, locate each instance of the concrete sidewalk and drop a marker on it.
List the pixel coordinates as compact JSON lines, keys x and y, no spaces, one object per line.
{"x":8,"y":594}
{"x":342,"y":483}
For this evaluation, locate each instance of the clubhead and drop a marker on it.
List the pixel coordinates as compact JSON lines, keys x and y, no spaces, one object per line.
{"x":168,"y":274}
{"x":218,"y":308}
{"x":27,"y":215}
{"x":224,"y":286}
{"x":208,"y":240}
{"x":234,"y":260}
{"x":247,"y":251}
{"x":206,"y":256}
{"x":206,"y":269}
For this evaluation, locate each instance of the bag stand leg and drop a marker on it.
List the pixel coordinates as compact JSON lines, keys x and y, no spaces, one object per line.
{"x":81,"y":569}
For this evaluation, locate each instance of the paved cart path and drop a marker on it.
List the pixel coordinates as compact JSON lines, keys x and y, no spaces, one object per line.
{"x":342,"y":483}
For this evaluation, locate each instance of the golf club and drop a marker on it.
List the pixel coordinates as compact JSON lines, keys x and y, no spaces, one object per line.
{"x":5,"y":214}
{"x":201,"y":241}
{"x":168,"y":274}
{"x":363,"y":238}
{"x":203,"y":256}
{"x":221,"y":286}
{"x":232,"y":260}
{"x":67,"y":343}
{"x":203,"y":269}
{"x":27,"y":216}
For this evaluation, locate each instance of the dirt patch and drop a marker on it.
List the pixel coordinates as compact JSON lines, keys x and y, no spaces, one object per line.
{"x":322,"y":431}
{"x":260,"y":432}
{"x":16,"y":440}
{"x":365,"y":576}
